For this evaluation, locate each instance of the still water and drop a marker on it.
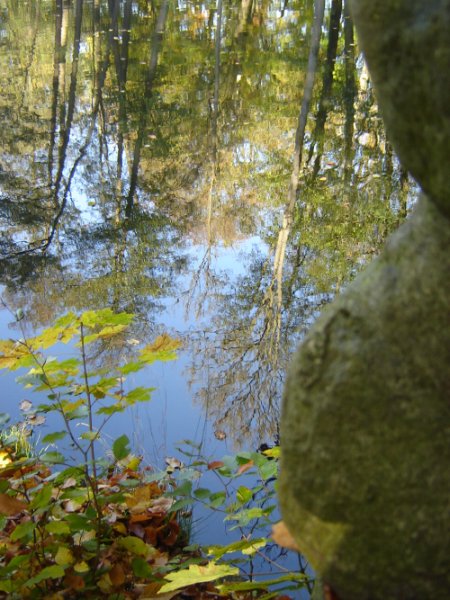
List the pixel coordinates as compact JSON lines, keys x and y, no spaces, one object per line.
{"x":217,"y":168}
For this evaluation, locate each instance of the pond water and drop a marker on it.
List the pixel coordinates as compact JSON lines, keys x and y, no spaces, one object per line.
{"x":217,"y":168}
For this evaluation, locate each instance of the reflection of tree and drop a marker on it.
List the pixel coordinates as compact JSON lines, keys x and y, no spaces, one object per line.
{"x":129,"y":148}
{"x":244,"y":355}
{"x":148,"y":90}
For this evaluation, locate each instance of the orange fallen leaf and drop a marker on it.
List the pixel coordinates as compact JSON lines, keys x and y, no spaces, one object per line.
{"x":282,"y":536}
{"x":9,"y":506}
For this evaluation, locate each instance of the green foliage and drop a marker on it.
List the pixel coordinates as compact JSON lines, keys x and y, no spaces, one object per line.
{"x":93,"y":527}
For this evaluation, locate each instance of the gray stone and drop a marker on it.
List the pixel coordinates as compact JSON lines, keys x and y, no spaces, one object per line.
{"x":407,"y":47}
{"x":366,"y":422}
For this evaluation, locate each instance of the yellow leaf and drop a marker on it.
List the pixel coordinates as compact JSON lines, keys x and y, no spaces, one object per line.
{"x":64,"y":556}
{"x":4,"y":459}
{"x":104,"y":583}
{"x":197,"y":574}
{"x":120,"y":528}
{"x":81,"y":567}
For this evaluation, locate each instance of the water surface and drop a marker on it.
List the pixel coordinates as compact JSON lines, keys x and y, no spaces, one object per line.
{"x":217,"y":168}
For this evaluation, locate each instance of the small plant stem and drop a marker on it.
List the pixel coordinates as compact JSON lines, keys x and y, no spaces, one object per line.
{"x":89,"y":405}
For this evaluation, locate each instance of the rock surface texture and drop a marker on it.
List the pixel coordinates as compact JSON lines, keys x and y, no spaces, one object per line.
{"x":365,"y":427}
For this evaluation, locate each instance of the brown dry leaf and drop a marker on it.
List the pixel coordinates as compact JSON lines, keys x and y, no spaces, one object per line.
{"x":74,"y":582}
{"x":151,"y":536}
{"x":215,"y":464}
{"x":140,"y":518}
{"x":282,"y":536}
{"x":117,"y":575}
{"x":137,"y":530}
{"x":9,"y":506}
{"x":161,"y":505}
{"x":170,"y":534}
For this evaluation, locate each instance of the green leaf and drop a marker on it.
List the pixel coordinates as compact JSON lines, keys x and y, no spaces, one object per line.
{"x":120,"y":447}
{"x":15,"y":563}
{"x":42,"y":498}
{"x":52,"y":458}
{"x":141,"y":568}
{"x":139,"y":394}
{"x":7,"y":586}
{"x":245,"y":516}
{"x":202,"y":493}
{"x":53,"y":572}
{"x":179,"y":504}
{"x":197,"y":574}
{"x":244,"y":546}
{"x":184,"y":489}
{"x":268,"y":469}
{"x":135,"y":546}
{"x":57,"y":527}
{"x":217,"y":499}
{"x":89,"y":435}
{"x":54,"y":437}
{"x":244,"y":494}
{"x":241,"y":586}
{"x":22,"y":530}
{"x":78,"y":522}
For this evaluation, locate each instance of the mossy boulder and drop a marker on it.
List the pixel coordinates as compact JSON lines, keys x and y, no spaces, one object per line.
{"x":366,"y":423}
{"x":365,"y":431}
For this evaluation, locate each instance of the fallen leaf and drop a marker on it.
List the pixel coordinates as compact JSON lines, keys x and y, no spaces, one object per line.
{"x":69,"y":482}
{"x":282,"y":536}
{"x":74,"y":582}
{"x":25,"y":405}
{"x":170,"y":534}
{"x":36,"y":420}
{"x":9,"y":506}
{"x":81,"y":567}
{"x":117,"y":575}
{"x":161,"y":505}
